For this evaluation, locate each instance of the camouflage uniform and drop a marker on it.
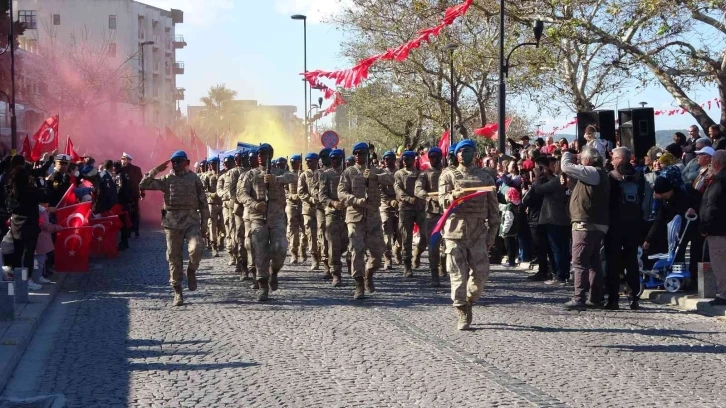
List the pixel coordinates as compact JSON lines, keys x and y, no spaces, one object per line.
{"x":364,"y":219}
{"x":216,"y":223}
{"x":293,"y":210}
{"x":244,"y":233}
{"x":223,"y":185}
{"x":235,"y":177}
{"x":335,"y":229}
{"x":205,"y":228}
{"x":468,"y":233}
{"x":267,"y":228}
{"x":320,"y":219}
{"x":429,"y":183}
{"x":185,"y":209}
{"x":389,"y":217}
{"x":411,"y":210}
{"x":304,"y":191}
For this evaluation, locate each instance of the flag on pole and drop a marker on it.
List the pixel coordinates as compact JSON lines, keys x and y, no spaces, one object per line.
{"x":46,"y":138}
{"x":72,"y":249}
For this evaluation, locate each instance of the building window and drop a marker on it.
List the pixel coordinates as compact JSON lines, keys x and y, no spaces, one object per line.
{"x":112,"y":49}
{"x":29,"y":18}
{"x":56,"y":19}
{"x":112,"y":22}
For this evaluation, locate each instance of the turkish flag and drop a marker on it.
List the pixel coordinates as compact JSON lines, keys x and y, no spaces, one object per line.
{"x":46,"y":138}
{"x":445,"y":142}
{"x":69,"y":198}
{"x":105,"y":235}
{"x":71,"y":151}
{"x":74,"y":216}
{"x":123,"y":215}
{"x":26,"y":150}
{"x":72,"y":249}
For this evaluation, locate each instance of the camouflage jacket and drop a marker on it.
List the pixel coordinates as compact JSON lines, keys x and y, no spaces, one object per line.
{"x":388,"y":194}
{"x":429,"y":183}
{"x":254,"y":190}
{"x":329,"y":181}
{"x":354,"y":186}
{"x":210,"y":186}
{"x":235,"y":175}
{"x":305,"y":192}
{"x":484,"y":207}
{"x":223,"y":189}
{"x":185,"y":203}
{"x":405,"y":185}
{"x":291,"y":191}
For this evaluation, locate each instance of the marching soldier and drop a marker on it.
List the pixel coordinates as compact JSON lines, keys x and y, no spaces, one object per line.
{"x":360,"y":192}
{"x":223,"y":190}
{"x":349,"y":161}
{"x":294,"y":214}
{"x":241,"y":165}
{"x":263,"y":193}
{"x":304,"y":192}
{"x":469,"y":232}
{"x":251,"y":269}
{"x":216,"y":223}
{"x":411,"y":210}
{"x":335,"y":229}
{"x":429,"y":183}
{"x":202,"y":174}
{"x":320,"y":211}
{"x":185,"y":209}
{"x":389,"y":213}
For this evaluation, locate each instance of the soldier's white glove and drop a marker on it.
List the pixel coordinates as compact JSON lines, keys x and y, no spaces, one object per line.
{"x":359,"y":202}
{"x":269,"y":179}
{"x":260,"y":206}
{"x":370,"y":175}
{"x":393,"y":203}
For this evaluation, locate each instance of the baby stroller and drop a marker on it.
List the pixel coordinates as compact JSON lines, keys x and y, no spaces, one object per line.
{"x":667,"y":274}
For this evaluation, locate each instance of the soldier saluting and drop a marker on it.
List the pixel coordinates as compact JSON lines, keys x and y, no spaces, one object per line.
{"x":185,"y":210}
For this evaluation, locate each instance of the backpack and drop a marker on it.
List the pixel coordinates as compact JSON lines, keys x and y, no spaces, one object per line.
{"x":629,"y":192}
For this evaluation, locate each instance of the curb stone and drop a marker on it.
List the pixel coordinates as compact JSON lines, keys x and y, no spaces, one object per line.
{"x":685,"y":301}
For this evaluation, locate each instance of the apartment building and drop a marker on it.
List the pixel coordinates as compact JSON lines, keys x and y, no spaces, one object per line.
{"x":137,"y":34}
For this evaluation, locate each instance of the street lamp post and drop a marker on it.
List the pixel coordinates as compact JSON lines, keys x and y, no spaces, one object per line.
{"x":13,"y":118}
{"x":305,"y":69}
{"x":504,"y":71}
{"x":143,"y":81}
{"x":451,"y":48}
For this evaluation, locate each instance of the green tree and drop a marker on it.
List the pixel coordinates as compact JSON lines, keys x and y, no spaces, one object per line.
{"x":219,"y":115}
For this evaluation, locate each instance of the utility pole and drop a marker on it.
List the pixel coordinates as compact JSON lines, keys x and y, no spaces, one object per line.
{"x":13,"y":118}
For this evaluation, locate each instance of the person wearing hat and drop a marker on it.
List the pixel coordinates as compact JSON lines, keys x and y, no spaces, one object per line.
{"x":360,"y":191}
{"x":335,"y":230}
{"x":106,"y":192}
{"x":320,"y":211}
{"x":123,"y":184}
{"x":304,"y":192}
{"x":240,"y":166}
{"x":469,"y":232}
{"x":251,"y":270}
{"x":223,"y":184}
{"x":411,"y":209}
{"x":185,"y":210}
{"x":674,"y":201}
{"x":216,"y":222}
{"x":427,"y":183}
{"x":58,"y":183}
{"x":263,"y":194}
{"x":135,"y":175}
{"x":293,"y":210}
{"x":453,"y":162}
{"x":389,"y":214}
{"x":349,"y":161}
{"x":703,"y":158}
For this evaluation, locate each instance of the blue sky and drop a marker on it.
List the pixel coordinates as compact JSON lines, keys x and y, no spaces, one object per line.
{"x":256,"y":49}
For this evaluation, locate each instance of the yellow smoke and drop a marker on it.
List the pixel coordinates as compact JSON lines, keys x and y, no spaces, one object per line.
{"x":267,"y":127}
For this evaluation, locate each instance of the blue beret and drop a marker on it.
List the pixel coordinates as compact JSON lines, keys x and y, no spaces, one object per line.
{"x":264,"y":146}
{"x":296,"y":157}
{"x":337,"y":152}
{"x":350,"y":158}
{"x":409,"y":153}
{"x":312,"y":156}
{"x":452,"y":149}
{"x":465,"y":143}
{"x":229,"y":157}
{"x":360,"y":146}
{"x":179,"y":154}
{"x":252,"y":152}
{"x":203,"y":162}
{"x":435,"y":150}
{"x":389,"y":153}
{"x":211,"y":159}
{"x":325,"y":151}
{"x":281,"y":159}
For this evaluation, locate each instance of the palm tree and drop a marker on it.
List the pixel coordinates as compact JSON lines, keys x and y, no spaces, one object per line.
{"x":219,"y":116}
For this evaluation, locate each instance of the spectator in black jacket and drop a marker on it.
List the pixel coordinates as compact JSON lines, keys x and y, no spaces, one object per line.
{"x":107,"y":194}
{"x":125,"y":200}
{"x":675,"y":201}
{"x":718,"y":137}
{"x":58,"y":183}
{"x":690,"y":147}
{"x":533,"y":202}
{"x":713,"y":224}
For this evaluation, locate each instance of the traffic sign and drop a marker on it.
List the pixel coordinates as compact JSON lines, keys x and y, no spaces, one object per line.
{"x":329,"y":139}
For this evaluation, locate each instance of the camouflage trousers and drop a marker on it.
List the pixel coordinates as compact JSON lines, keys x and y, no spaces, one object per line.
{"x":239,"y":242}
{"x":435,"y":252}
{"x":405,"y":222}
{"x":295,"y":232}
{"x":322,"y":242}
{"x":249,"y":246}
{"x":216,"y":226}
{"x":468,"y":263}
{"x":337,"y":236}
{"x":175,"y":250}
{"x":269,"y":244}
{"x":366,"y":235}
{"x":310,"y":228}
{"x":230,"y":230}
{"x":391,"y":234}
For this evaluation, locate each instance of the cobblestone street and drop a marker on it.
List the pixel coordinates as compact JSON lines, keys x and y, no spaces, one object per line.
{"x":120,"y":343}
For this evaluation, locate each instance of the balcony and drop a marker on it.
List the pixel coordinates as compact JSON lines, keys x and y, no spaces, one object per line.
{"x":179,"y":94}
{"x":179,"y":42}
{"x":178,"y":68}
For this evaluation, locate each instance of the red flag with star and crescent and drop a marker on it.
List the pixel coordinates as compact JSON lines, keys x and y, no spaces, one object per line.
{"x":46,"y":138}
{"x":26,"y":150}
{"x":72,"y":249}
{"x":104,"y":236}
{"x":74,"y":216}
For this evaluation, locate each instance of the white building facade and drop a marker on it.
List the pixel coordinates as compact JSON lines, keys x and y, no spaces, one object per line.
{"x":132,"y":31}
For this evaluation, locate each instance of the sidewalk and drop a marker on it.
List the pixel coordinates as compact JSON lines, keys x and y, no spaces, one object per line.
{"x":15,"y":335}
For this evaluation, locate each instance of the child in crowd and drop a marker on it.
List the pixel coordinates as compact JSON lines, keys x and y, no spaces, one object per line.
{"x":43,"y":248}
{"x":510,"y":223}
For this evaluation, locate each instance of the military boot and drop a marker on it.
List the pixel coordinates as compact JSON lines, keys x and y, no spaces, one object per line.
{"x":263,"y":291}
{"x":191,"y":279}
{"x":469,"y":314}
{"x":315,"y":266}
{"x":215,"y":251}
{"x":407,"y":272}
{"x":435,"y":283}
{"x":416,"y":259}
{"x":178,"y":297}
{"x":359,"y":289}
{"x":442,"y":266}
{"x":370,"y":288}
{"x":336,"y":280}
{"x":463,"y":317}
{"x":326,"y":272}
{"x":295,"y":259}
{"x":387,"y":263}
{"x":304,"y":256}
{"x":273,"y":281}
{"x":232,"y":260}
